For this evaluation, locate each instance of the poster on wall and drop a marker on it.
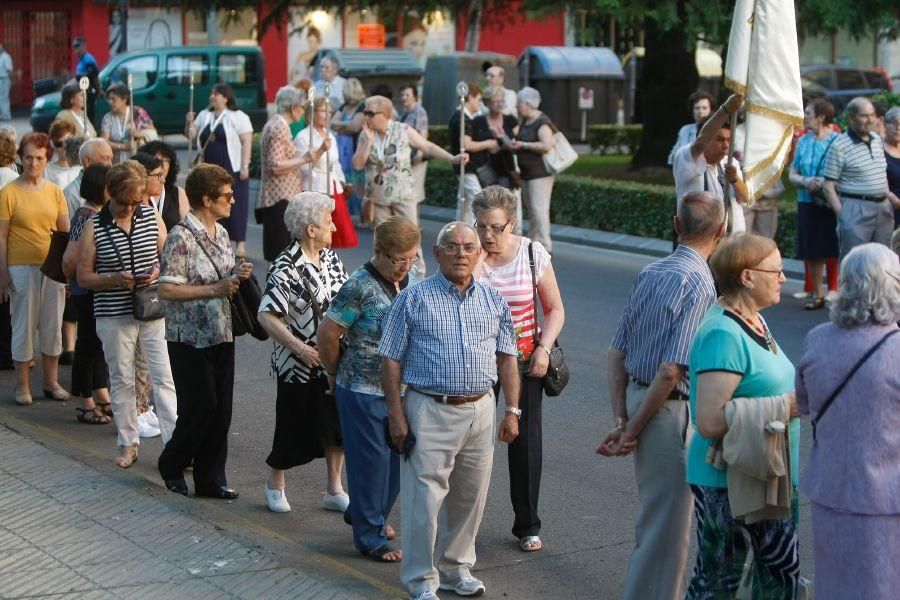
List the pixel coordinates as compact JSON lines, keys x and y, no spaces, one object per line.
{"x":153,"y":28}
{"x":117,"y":41}
{"x":309,"y":31}
{"x":431,"y":35}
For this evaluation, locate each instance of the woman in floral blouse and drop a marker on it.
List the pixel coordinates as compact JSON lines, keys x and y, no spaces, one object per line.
{"x":300,"y":285}
{"x":199,"y":336}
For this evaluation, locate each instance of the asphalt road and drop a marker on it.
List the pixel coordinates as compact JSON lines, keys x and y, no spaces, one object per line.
{"x":587,"y":502}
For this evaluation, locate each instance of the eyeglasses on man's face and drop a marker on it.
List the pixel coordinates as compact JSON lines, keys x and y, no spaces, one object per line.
{"x":456,"y":249}
{"x":495,"y":229}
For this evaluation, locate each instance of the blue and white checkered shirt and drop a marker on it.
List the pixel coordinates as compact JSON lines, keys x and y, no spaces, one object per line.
{"x":446,"y":341}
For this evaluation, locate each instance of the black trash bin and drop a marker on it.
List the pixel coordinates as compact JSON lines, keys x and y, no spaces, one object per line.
{"x":559,"y":73}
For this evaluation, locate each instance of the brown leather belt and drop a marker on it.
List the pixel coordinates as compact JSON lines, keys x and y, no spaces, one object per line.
{"x":452,"y":400}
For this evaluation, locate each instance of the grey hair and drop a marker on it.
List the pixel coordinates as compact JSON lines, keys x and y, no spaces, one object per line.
{"x":287,"y":98}
{"x":495,"y":90}
{"x":331,"y":58}
{"x":855,"y":105}
{"x":495,"y":196}
{"x":869,"y":291}
{"x":700,"y":214}
{"x":892,"y":115}
{"x":446,"y":229}
{"x":305,"y":209}
{"x":353,"y":90}
{"x":87,"y":148}
{"x":72,"y":148}
{"x":529,"y":96}
{"x":10,"y":130}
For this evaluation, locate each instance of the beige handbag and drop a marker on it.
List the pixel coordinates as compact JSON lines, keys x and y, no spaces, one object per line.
{"x":562,"y":155}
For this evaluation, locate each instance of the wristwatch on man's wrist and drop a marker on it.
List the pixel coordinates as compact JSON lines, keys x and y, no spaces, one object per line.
{"x":515,"y":411}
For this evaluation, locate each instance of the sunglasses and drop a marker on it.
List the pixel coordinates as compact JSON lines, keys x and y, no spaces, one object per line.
{"x":369,"y":114}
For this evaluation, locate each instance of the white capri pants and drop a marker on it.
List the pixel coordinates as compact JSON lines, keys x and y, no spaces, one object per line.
{"x":36,"y":304}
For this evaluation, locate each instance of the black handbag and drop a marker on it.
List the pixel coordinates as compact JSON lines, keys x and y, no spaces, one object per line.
{"x":818,"y":198}
{"x":557,"y":376}
{"x":145,"y":302}
{"x":52,"y":267}
{"x":244,"y":304}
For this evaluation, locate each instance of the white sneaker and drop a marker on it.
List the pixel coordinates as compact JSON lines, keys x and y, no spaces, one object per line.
{"x":276,"y":500}
{"x":801,"y":295}
{"x":429,"y":595}
{"x":145,"y":429}
{"x":831,"y":296}
{"x":151,"y":417}
{"x":337,"y":502}
{"x":465,"y":586}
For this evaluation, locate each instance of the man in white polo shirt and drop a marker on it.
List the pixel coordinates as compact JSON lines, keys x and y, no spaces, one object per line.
{"x":856,"y":181}
{"x":703,"y":165}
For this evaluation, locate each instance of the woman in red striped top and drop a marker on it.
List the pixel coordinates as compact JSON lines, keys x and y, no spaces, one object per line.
{"x":505,"y":265}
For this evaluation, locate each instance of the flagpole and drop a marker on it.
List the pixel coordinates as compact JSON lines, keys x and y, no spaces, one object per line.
{"x":729,"y":218}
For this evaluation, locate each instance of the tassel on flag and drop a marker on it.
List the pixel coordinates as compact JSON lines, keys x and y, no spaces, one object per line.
{"x":763,"y":65}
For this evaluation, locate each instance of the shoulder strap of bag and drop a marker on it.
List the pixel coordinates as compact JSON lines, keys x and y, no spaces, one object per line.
{"x":852,"y":372}
{"x":391,"y":292}
{"x":313,"y":301}
{"x":202,"y":247}
{"x":824,"y":155}
{"x":533,"y":288}
{"x":108,"y":229}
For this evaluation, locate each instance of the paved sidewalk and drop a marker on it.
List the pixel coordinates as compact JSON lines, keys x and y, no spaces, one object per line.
{"x":69,"y":531}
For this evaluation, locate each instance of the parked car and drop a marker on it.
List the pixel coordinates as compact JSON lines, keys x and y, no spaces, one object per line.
{"x":839,"y":84}
{"x":161,"y":79}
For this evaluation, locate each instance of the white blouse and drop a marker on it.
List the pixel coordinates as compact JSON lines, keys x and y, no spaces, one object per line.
{"x":320,"y":169}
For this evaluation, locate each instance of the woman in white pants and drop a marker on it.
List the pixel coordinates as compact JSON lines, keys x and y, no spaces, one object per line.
{"x":121,"y":246}
{"x":30,"y":206}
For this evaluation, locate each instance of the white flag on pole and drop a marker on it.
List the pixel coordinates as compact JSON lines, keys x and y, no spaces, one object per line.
{"x":763,"y":65}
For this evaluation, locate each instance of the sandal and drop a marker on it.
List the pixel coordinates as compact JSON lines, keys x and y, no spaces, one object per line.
{"x":530,"y":539}
{"x":91,"y":416}
{"x":815,"y":304}
{"x":104,"y":407}
{"x":389,"y":532}
{"x":128,"y":455}
{"x":380,"y":553}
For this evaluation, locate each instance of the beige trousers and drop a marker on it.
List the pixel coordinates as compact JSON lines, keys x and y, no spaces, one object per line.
{"x":762,"y":217}
{"x":536,"y":196}
{"x":36,"y":306}
{"x":447,"y":474}
{"x":418,"y":180}
{"x":662,"y":528}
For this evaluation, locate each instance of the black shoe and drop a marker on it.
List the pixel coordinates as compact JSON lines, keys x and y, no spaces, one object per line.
{"x":66,"y":357}
{"x":347,"y":518}
{"x":177,"y":485}
{"x":222,"y":493}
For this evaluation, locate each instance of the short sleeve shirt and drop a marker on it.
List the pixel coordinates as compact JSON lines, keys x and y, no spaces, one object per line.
{"x":858,"y":166}
{"x":809,"y":159}
{"x":76,"y":228}
{"x":725,"y":344}
{"x":388,"y":170}
{"x":31,"y":215}
{"x":276,"y":146}
{"x":207,"y":321}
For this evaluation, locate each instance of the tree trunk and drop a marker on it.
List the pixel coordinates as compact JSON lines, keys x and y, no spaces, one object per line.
{"x":668,"y":76}
{"x":473,"y":29}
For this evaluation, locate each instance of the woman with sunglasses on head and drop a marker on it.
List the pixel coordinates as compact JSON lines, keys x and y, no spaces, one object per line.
{"x":224,"y":135}
{"x":506,"y":266}
{"x":120,"y":248}
{"x":172,"y":203}
{"x":739,"y":372}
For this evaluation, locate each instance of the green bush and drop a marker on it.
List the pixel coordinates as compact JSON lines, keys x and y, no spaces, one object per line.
{"x":614,"y":139}
{"x":439,"y":135}
{"x":255,"y":168}
{"x":609,"y":205}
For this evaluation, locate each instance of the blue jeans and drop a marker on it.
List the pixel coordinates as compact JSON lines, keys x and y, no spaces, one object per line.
{"x":373,"y":471}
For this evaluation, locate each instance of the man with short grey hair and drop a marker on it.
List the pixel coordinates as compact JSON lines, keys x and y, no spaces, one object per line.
{"x":95,"y":151}
{"x":647,"y":372}
{"x":330,"y":68}
{"x":856,"y":184}
{"x":496,"y":77}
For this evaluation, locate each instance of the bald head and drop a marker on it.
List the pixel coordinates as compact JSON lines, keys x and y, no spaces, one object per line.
{"x":95,"y":151}
{"x":700,"y":217}
{"x":495,"y":76}
{"x":861,"y":113}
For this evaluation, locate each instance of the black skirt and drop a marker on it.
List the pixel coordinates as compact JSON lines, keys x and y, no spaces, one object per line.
{"x":816,"y":232}
{"x":306,"y":420}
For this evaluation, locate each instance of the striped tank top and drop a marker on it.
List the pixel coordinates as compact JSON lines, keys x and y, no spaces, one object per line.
{"x":137,"y":249}
{"x":513,"y":281}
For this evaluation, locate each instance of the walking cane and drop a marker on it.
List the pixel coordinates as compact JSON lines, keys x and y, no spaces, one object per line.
{"x":462,"y":90}
{"x":191,"y":111}
{"x":729,"y":217}
{"x":328,"y":189}
{"x":84,"y":83}
{"x":131,"y":105}
{"x":310,"y":97}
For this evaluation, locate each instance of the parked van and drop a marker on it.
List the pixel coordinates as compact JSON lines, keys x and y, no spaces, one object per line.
{"x":161,"y":79}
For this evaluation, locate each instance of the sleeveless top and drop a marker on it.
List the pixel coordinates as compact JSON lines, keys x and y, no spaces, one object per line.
{"x":137,"y":249}
{"x":531,"y":163}
{"x":171,"y":213}
{"x":388,"y":170}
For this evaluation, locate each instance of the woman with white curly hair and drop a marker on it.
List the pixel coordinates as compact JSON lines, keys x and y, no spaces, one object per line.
{"x":300,"y":285}
{"x":849,"y":383}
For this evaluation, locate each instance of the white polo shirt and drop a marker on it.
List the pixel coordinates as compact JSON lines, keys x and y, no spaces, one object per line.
{"x":697,"y":176}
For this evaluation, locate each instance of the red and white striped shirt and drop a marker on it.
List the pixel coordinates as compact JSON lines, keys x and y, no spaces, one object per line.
{"x":513,"y":281}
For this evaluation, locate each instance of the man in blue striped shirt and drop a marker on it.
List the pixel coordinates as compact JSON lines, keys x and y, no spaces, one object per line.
{"x":448,"y":339}
{"x":648,"y":387}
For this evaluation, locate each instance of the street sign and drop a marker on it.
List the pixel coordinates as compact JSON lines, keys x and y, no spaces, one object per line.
{"x":585,"y":99}
{"x":370,"y":35}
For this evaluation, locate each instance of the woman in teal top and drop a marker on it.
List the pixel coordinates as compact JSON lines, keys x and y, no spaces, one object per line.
{"x":735,"y":356}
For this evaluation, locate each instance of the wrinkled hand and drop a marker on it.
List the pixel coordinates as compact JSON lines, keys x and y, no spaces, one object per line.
{"x":367,"y":131}
{"x":6,"y":286}
{"x":540,"y":360}
{"x":460,"y":159}
{"x":734,"y":103}
{"x":226,"y":288}
{"x":509,"y":428}
{"x":124,"y":280}
{"x":814,"y":184}
{"x":309,"y":355}
{"x":243,"y":270}
{"x":493,"y":146}
{"x":189,"y":117}
{"x":731,"y":173}
{"x":609,"y":442}
{"x":399,"y":429}
{"x":326,"y":145}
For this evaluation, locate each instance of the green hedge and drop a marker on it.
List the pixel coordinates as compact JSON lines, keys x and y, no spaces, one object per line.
{"x":625,"y":207}
{"x":440,"y":135}
{"x":614,"y":139}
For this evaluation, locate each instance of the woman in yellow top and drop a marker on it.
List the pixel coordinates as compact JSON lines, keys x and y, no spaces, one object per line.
{"x":30,"y":207}
{"x":73,"y":109}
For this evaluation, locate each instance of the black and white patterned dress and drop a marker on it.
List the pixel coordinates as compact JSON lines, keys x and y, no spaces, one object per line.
{"x":288,"y":283}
